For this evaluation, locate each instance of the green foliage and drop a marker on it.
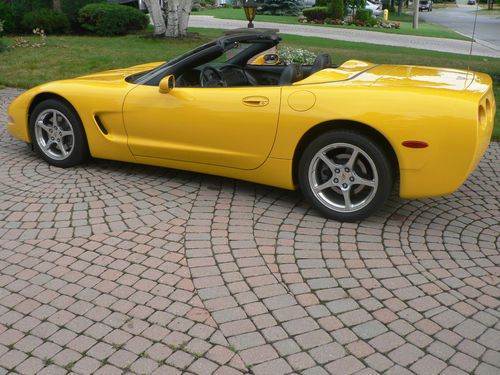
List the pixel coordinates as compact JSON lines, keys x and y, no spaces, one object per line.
{"x":337,"y":9}
{"x":13,"y":12}
{"x":71,"y":8}
{"x":322,"y":3}
{"x":47,"y":20}
{"x":281,"y":7}
{"x":7,"y":16}
{"x":111,"y":19}
{"x":364,"y":15}
{"x":316,"y":13}
{"x":386,"y":4}
{"x":2,"y":44}
{"x":355,"y":4}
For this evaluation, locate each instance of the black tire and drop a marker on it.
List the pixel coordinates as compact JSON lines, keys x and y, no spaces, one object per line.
{"x":78,"y":152}
{"x":382,"y":177}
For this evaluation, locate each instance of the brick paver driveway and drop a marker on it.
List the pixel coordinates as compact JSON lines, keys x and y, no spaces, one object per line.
{"x":111,"y":267}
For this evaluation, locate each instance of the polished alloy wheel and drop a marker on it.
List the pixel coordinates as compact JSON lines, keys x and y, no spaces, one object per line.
{"x":343,"y":177}
{"x":54,"y":134}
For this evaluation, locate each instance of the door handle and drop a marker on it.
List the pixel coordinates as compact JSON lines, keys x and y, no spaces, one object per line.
{"x":256,"y":101}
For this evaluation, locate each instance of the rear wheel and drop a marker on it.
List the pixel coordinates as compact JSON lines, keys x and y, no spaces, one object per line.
{"x":57,"y":134}
{"x":345,"y":175}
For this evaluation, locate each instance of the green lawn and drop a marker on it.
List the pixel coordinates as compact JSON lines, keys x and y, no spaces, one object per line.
{"x":492,"y":12}
{"x":70,"y":56}
{"x":425,"y":29}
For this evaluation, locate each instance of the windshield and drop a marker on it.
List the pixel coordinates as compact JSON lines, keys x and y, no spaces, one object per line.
{"x":145,"y":76}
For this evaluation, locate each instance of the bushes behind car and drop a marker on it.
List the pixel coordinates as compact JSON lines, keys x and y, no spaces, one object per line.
{"x":7,"y":17}
{"x":111,"y":19}
{"x":364,"y":15}
{"x":71,"y":8}
{"x":337,"y":9}
{"x":13,"y":12}
{"x":2,"y":44}
{"x":317,"y":13}
{"x":45,"y":19}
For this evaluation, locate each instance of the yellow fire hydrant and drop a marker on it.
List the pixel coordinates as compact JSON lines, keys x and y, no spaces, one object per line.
{"x":386,"y":14}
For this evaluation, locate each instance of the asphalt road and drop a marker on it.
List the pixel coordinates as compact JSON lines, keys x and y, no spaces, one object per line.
{"x":461,"y":19}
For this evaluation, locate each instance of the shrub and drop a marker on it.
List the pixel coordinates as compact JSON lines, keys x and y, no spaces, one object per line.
{"x":386,"y":4}
{"x":71,"y":8}
{"x":337,"y":9}
{"x":281,"y":7}
{"x":7,"y":17}
{"x":288,"y":55}
{"x":45,"y":19}
{"x":2,"y":44}
{"x":364,"y":15}
{"x":316,"y":13}
{"x":111,"y":19}
{"x":13,"y":12}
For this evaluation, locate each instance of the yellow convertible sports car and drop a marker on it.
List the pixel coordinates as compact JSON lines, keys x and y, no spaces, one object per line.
{"x":343,"y":135}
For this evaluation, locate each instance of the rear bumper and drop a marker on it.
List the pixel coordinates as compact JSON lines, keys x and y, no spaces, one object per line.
{"x":455,"y":155}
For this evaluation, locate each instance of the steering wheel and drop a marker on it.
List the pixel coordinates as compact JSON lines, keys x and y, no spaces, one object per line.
{"x":211,"y":77}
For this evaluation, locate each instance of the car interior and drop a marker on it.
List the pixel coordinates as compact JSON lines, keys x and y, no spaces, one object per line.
{"x":240,"y":72}
{"x":229,"y":62}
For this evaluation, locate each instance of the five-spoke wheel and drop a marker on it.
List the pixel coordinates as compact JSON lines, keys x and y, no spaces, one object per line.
{"x":54,"y":134}
{"x":345,"y":175}
{"x":57,"y":133}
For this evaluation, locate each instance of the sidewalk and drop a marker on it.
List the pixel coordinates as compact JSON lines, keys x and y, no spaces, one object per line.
{"x":350,"y":35}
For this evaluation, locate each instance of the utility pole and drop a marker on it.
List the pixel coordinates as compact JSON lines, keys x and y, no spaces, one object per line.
{"x":416,"y":5}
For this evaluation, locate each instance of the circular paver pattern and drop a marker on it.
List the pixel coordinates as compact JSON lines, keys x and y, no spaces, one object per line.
{"x":112,"y":267}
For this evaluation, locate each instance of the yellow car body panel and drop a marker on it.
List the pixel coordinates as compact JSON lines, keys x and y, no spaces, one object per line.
{"x":253,"y":133}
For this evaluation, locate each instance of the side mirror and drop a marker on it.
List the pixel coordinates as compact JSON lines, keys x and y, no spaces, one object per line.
{"x":167,"y":84}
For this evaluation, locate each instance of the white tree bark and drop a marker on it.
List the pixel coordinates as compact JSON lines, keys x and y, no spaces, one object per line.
{"x":184,"y":13}
{"x":173,"y":21}
{"x":178,"y":12}
{"x":156,"y":14}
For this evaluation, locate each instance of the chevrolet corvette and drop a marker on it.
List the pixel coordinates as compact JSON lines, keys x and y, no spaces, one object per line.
{"x":344,"y":135}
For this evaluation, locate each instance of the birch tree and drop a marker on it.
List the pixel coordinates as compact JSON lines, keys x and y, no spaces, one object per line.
{"x":56,"y":5}
{"x":173,"y":20}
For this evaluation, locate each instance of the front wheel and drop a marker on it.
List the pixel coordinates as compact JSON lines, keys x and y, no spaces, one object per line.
{"x":57,"y":134}
{"x":345,"y":175}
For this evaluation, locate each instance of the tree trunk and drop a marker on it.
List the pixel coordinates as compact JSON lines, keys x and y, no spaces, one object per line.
{"x":56,"y":5}
{"x":178,"y":12}
{"x":172,"y":21}
{"x":156,"y":14}
{"x":184,"y":13}
{"x":400,"y":7}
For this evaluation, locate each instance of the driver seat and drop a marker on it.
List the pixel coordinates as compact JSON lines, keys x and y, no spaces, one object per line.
{"x":292,"y":73}
{"x":323,"y":61}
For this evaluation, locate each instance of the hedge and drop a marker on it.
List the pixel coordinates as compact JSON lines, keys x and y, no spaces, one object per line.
{"x":111,"y":19}
{"x":317,"y":13}
{"x":47,"y":20}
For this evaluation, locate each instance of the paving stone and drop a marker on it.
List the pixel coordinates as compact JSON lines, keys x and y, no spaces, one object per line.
{"x":107,"y":267}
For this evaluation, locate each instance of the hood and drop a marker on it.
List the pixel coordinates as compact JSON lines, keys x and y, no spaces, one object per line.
{"x":119,"y":74}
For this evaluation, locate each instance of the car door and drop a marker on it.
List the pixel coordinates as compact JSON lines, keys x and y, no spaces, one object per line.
{"x":226,"y":126}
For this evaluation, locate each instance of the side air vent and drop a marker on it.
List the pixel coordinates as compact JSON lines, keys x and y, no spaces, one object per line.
{"x":100,"y":125}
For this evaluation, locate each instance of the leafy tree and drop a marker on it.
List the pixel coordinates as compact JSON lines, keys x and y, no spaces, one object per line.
{"x":337,"y":9}
{"x":282,"y":7}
